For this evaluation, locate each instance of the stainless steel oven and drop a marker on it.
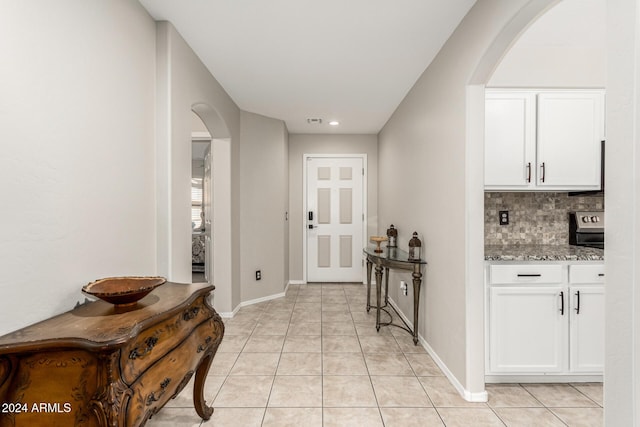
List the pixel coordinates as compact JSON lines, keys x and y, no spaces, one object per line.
{"x":586,"y":229}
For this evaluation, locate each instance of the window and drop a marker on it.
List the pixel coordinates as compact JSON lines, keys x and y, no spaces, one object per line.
{"x":196,"y":203}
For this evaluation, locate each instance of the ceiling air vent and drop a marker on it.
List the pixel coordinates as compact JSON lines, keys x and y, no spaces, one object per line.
{"x":314,"y":121}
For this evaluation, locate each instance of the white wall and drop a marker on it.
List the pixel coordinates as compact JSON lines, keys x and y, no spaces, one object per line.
{"x":264,"y":200}
{"x":77,"y":164}
{"x":326,"y":144}
{"x":565,"y":47}
{"x":185,"y":84}
{"x":423,"y":185}
{"x":223,"y":297}
{"x":622,"y":201}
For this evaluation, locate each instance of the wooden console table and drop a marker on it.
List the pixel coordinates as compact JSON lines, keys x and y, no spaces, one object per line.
{"x":98,"y":365}
{"x":393,"y":258}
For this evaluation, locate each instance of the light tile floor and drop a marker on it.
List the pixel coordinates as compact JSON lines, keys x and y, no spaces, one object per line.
{"x":314,"y":358}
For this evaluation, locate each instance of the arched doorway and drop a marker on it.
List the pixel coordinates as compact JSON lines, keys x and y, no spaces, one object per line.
{"x":201,"y":195}
{"x":484,"y":75}
{"x":474,"y":195}
{"x":217,"y":219}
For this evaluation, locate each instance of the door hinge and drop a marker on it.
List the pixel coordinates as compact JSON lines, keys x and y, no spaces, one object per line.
{"x":362,"y":171}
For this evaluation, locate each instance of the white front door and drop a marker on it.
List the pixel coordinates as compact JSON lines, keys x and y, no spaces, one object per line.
{"x":334,"y":219}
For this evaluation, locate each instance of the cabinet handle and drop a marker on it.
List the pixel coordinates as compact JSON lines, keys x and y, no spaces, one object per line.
{"x":153,"y":397}
{"x":530,"y":275}
{"x":529,"y":172}
{"x":190,"y":314}
{"x":137,"y":354}
{"x":561,"y":303}
{"x":578,"y":302}
{"x":543,"y":172}
{"x":600,"y":274}
{"x":203,"y":347}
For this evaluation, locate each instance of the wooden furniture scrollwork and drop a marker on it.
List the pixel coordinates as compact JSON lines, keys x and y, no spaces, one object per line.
{"x":100,"y":365}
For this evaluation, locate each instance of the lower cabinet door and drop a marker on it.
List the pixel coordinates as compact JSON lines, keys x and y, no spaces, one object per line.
{"x":528,"y":329}
{"x":587,"y":329}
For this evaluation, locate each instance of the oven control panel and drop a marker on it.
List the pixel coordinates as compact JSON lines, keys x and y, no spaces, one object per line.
{"x":586,"y":219}
{"x":592,"y":221}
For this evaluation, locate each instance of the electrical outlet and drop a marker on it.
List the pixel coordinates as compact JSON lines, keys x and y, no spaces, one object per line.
{"x":404,"y":288}
{"x":504,"y":217}
{"x":258,"y":274}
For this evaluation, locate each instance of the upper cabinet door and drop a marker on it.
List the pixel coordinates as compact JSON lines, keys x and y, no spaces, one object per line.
{"x":570,"y":128}
{"x":510,"y":141}
{"x":543,"y":140}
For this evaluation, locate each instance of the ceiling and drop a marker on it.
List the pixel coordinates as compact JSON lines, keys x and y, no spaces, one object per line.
{"x":351,"y":61}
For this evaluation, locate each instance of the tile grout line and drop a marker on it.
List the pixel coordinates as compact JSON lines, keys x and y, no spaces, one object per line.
{"x":352,"y":309}
{"x":497,"y":415}
{"x":586,"y":395}
{"x":543,"y":405}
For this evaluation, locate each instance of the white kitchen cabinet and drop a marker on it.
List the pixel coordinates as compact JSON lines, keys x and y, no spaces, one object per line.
{"x":527,"y":274}
{"x":543,"y":140}
{"x":527,"y":329}
{"x":569,"y":132}
{"x":510,"y":138}
{"x":587,"y":329}
{"x":545,"y":319}
{"x":586,"y":295}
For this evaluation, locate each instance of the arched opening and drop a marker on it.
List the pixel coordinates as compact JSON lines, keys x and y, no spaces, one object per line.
{"x":201,"y":195}
{"x":474,"y":194}
{"x":475,"y":200}
{"x":216,"y":227}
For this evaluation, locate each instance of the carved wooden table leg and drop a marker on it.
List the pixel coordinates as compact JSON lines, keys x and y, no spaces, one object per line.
{"x":199,"y":402}
{"x":109,"y":405}
{"x":202,"y":409}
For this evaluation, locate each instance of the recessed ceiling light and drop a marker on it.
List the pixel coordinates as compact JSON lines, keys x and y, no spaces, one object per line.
{"x":334,"y":123}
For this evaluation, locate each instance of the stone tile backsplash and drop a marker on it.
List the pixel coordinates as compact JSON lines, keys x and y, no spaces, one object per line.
{"x":534,"y":218}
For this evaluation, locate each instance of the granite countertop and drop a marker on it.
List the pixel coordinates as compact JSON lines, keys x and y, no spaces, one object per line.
{"x":542,"y":253}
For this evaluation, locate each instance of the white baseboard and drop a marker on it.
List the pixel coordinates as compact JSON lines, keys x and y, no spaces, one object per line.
{"x":482,"y":396}
{"x":231,"y":314}
{"x":548,"y":378}
{"x":297,"y":282}
{"x":263,"y":299}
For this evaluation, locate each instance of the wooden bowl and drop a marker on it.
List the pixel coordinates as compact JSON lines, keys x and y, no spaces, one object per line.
{"x":123,"y":291}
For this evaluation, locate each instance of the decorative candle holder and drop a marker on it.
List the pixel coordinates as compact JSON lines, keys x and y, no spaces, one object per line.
{"x":392,"y":235}
{"x":415,"y":248}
